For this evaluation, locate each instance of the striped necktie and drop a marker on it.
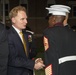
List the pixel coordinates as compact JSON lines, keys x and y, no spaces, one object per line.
{"x":24,"y":43}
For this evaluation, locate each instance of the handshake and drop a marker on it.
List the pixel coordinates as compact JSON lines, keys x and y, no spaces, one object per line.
{"x":39,"y":64}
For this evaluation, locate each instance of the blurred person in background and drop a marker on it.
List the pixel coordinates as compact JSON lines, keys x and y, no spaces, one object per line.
{"x":4,"y":51}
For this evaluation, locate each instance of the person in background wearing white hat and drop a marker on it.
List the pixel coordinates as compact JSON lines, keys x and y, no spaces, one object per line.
{"x":59,"y":45}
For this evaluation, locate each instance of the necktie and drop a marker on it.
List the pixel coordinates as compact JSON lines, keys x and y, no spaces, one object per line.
{"x":24,"y":43}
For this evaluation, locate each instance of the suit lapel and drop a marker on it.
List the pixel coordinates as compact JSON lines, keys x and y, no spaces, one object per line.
{"x":17,"y":38}
{"x":16,"y":35}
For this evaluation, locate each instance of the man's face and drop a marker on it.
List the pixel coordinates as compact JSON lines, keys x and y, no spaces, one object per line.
{"x":20,"y":20}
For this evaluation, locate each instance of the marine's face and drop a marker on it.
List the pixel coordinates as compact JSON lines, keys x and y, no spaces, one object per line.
{"x":20,"y":20}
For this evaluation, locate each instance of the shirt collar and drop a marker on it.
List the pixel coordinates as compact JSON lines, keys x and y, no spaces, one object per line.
{"x":17,"y":30}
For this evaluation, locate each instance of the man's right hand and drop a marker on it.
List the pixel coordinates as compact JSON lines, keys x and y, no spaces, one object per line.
{"x":38,"y":64}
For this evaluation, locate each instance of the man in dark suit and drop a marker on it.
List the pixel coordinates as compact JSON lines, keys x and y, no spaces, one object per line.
{"x":19,"y":62}
{"x":3,"y":50}
{"x":60,"y":45}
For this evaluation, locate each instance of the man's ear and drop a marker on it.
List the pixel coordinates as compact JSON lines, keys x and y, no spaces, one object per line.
{"x":54,"y":19}
{"x":13,"y":20}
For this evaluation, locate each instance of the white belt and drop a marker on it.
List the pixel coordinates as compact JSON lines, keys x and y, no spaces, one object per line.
{"x":67,"y":58}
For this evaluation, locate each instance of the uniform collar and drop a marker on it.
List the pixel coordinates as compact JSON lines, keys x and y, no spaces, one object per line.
{"x":59,"y":24}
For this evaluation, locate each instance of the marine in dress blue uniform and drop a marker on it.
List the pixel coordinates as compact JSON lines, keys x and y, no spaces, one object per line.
{"x":60,"y":49}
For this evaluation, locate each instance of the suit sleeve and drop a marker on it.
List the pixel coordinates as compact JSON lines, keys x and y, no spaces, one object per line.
{"x":51,"y":57}
{"x":17,"y":60}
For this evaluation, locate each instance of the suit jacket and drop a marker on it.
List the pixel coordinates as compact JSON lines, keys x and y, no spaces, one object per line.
{"x":3,"y":50}
{"x":60,"y":51}
{"x":18,"y":63}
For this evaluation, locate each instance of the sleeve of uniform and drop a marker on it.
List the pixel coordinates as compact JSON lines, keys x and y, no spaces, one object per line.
{"x":51,"y":57}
